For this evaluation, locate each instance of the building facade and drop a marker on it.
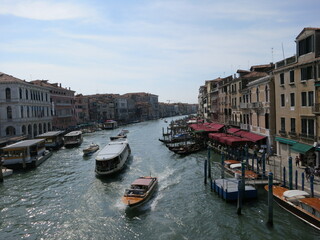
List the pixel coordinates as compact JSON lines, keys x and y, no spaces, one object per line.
{"x":25,"y":108}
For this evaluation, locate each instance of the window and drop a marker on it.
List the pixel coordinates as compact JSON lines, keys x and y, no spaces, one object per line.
{"x":21,"y":109}
{"x":283,"y":124}
{"x":20,"y":93}
{"x":292,"y":76}
{"x":281,"y":78}
{"x":292,"y":100}
{"x":8,"y":93}
{"x":282,"y":100}
{"x":303,"y":99}
{"x":9,"y":112}
{"x":292,"y":125}
{"x":27,"y":94}
{"x":306,"y":45}
{"x":266,"y":119}
{"x":266,"y":92}
{"x":306,"y":73}
{"x":310,"y":99}
{"x":307,"y":127}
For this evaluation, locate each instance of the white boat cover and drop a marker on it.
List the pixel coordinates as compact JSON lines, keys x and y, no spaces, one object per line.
{"x":235,"y":165}
{"x":294,"y":193}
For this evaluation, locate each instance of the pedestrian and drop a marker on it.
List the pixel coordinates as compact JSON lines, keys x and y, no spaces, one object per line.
{"x":297,"y":161}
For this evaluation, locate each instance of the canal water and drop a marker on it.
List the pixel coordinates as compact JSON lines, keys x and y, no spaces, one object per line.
{"x":63,"y":198}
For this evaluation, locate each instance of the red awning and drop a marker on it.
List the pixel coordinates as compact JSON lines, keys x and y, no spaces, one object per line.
{"x":207,"y":127}
{"x":253,"y":137}
{"x":233,"y":130}
{"x":216,"y":136}
{"x":240,"y":133}
{"x":231,"y":141}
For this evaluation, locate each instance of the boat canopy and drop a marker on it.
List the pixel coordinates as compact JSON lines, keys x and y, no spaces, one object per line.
{"x":23,"y":144}
{"x":143,"y":181}
{"x":73,"y":133}
{"x":294,"y":193}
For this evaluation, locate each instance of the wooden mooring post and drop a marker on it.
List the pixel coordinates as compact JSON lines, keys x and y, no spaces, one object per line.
{"x":270,"y":198}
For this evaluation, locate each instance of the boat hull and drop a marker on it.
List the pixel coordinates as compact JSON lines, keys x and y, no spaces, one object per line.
{"x":296,"y":211}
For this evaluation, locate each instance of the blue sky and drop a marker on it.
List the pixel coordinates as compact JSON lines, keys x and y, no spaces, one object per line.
{"x":168,"y":48}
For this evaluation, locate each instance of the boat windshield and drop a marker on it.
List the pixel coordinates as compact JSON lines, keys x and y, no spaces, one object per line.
{"x":129,"y":192}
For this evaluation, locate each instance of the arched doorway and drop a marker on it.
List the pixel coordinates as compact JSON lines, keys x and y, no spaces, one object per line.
{"x":10,"y":131}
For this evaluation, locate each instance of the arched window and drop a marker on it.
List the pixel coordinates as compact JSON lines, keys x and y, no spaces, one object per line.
{"x":40,"y":128}
{"x":257,"y":93}
{"x":9,"y":112}
{"x":8,"y":93}
{"x":24,"y":130}
{"x":29,"y":130}
{"x":49,"y":127}
{"x":44,"y":128}
{"x":21,"y":109}
{"x":35,"y":132}
{"x":28,"y":111}
{"x":27,"y":94}
{"x":10,"y":131}
{"x":20,"y":93}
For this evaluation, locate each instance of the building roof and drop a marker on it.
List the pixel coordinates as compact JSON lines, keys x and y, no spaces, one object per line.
{"x":9,"y":79}
{"x":307,"y":29}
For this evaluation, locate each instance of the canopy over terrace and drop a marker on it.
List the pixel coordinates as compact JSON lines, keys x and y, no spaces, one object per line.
{"x":206,"y":127}
{"x":234,"y":141}
{"x":250,"y":136}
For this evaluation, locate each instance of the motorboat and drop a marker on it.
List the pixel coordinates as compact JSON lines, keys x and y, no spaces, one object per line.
{"x":6,"y":172}
{"x":112,"y":158}
{"x":298,"y":203}
{"x":121,"y":134}
{"x":90,"y":149}
{"x":140,"y":191}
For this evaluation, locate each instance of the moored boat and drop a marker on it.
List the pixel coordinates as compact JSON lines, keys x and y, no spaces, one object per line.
{"x":27,"y":153}
{"x":6,"y":171}
{"x":140,"y":191}
{"x":112,"y":158}
{"x":73,"y":139}
{"x":91,"y":149}
{"x":121,"y":134}
{"x":299,"y":204}
{"x":53,"y":139}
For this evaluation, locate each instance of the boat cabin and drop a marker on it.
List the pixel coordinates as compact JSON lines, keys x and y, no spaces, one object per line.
{"x":53,"y":139}
{"x":24,"y":152}
{"x":73,"y":139}
{"x":110,"y":124}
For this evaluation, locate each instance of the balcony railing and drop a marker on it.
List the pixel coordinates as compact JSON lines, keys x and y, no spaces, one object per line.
{"x":282,"y":132}
{"x":307,"y":136}
{"x":256,"y":105}
{"x":244,"y":105}
{"x":245,"y":126}
{"x":316,"y":108}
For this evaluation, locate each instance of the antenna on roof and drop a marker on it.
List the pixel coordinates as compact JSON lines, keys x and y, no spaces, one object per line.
{"x":272,"y":54}
{"x":282,"y":51}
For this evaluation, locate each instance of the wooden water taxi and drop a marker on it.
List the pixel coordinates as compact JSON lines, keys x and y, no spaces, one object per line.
{"x":91,"y":149}
{"x":121,"y":134}
{"x":27,"y":153}
{"x":140,"y":191}
{"x":299,"y":204}
{"x":53,"y":139}
{"x":112,"y":158}
{"x":73,"y":139}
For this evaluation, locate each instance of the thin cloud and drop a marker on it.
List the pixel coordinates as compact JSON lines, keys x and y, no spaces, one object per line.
{"x":45,"y":9}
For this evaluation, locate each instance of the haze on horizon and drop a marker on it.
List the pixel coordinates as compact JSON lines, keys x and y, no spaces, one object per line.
{"x":167,"y":48}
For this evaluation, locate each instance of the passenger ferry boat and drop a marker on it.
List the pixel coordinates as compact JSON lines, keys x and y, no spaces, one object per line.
{"x":53,"y":139}
{"x":27,"y":153}
{"x":298,"y":203}
{"x":73,"y":139}
{"x":140,"y":191}
{"x":112,"y":157}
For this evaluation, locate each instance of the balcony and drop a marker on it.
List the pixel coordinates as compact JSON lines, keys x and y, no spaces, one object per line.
{"x":234,"y":123}
{"x":293,"y":134}
{"x":316,"y":108}
{"x":244,"y":105}
{"x":305,"y":136}
{"x":256,"y":105}
{"x":245,"y":126}
{"x":283,"y":133}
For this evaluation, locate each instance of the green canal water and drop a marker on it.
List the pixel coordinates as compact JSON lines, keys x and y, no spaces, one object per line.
{"x":63,"y":198}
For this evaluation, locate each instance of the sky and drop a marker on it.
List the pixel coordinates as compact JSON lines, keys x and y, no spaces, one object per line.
{"x":168,"y":47}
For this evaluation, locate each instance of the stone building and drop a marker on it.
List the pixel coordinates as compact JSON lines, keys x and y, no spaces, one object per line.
{"x":25,"y":108}
{"x":82,"y":109}
{"x":297,"y":100}
{"x":62,"y":105}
